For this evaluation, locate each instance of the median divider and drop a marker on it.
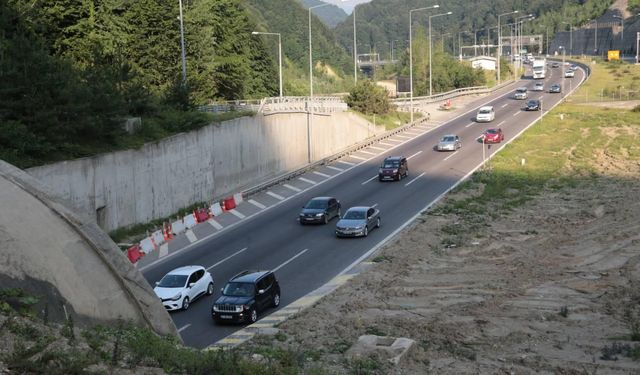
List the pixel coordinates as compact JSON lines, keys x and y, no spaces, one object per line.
{"x":216,"y":209}
{"x":147,"y":245}
{"x":229,"y":204}
{"x":189,"y":221}
{"x":158,"y":237}
{"x":177,"y":227}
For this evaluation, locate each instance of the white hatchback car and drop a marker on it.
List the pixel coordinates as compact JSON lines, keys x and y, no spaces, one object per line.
{"x":180,"y":287}
{"x":485,"y":114}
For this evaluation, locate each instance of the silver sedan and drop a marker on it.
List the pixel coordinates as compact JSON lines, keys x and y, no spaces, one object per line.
{"x":358,"y":221}
{"x":449,"y":142}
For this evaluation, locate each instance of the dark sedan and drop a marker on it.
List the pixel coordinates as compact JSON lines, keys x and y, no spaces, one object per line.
{"x":320,"y":210}
{"x":358,"y":221}
{"x":555,"y":88}
{"x":532,"y":105}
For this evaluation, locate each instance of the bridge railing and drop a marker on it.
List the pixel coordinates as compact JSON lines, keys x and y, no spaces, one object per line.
{"x":321,"y":104}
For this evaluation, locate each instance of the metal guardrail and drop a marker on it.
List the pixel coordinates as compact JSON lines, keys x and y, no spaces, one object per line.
{"x":321,"y":104}
{"x":230,"y":106}
{"x":368,"y":142}
{"x":419,"y":100}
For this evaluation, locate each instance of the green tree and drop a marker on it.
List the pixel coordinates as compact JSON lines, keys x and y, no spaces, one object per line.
{"x":369,"y":98}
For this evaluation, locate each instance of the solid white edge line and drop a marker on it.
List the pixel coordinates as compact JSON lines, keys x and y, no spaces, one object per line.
{"x":227,"y":258}
{"x":417,"y":177}
{"x":369,"y":180}
{"x":416,"y":154}
{"x":290,"y":260}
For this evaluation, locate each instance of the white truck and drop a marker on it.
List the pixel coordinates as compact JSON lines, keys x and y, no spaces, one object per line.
{"x":539,"y":67}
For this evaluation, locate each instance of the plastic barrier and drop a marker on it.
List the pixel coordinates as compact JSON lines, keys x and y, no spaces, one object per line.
{"x":134,"y":254}
{"x":229,"y":204}
{"x":177,"y":227}
{"x":202,"y":215}
{"x":216,"y":209}
{"x":237,"y":198}
{"x":189,"y":221}
{"x":147,"y":245}
{"x":158,"y":237}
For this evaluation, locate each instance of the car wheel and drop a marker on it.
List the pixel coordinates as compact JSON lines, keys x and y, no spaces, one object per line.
{"x":185,"y":303}
{"x":253,"y":315}
{"x":276,"y":300}
{"x":210,"y":289}
{"x":378,"y":223}
{"x":366,"y":231}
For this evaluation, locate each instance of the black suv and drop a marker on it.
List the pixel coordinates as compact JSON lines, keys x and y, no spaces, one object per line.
{"x":320,"y":210}
{"x":245,"y":295}
{"x":393,"y":168}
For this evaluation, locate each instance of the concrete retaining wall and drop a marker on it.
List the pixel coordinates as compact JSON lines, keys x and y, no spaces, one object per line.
{"x":135,"y":186}
{"x":72,"y":266}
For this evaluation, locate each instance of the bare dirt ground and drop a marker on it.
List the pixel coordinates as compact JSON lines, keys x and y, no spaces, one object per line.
{"x":551,"y":287}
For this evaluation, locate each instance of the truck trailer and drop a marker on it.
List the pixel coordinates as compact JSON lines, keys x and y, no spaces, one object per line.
{"x":539,"y":67}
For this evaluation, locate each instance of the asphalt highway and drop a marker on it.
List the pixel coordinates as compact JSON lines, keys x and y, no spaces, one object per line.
{"x":306,"y":257}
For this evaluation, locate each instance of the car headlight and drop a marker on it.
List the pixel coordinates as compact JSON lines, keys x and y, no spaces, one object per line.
{"x":360,"y":227}
{"x":176,"y":297}
{"x":395,"y":171}
{"x":319,"y":215}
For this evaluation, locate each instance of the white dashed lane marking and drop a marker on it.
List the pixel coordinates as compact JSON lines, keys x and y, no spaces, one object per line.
{"x":183,"y":328}
{"x":504,"y":105}
{"x":469,"y":125}
{"x":412,"y":181}
{"x":369,"y":180}
{"x":307,"y":181}
{"x":227,"y":258}
{"x":501,"y":123}
{"x":346,"y":162}
{"x":190,"y":236}
{"x":237,"y":214}
{"x":402,"y":136}
{"x":276,"y":196}
{"x":292,"y":188}
{"x":215,"y":224}
{"x":385,"y":144}
{"x":416,"y":154}
{"x":367,"y":152}
{"x":515,"y":114}
{"x":257,"y":204}
{"x":290,"y":260}
{"x":357,"y":157}
{"x":335,"y":168}
{"x":321,"y":174}
{"x":164,"y":250}
{"x":378,"y":148}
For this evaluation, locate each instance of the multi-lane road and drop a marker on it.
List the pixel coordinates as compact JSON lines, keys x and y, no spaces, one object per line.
{"x":266,"y":234}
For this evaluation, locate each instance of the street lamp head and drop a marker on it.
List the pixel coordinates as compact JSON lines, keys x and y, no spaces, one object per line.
{"x":449,"y":12}
{"x":436,"y":6}
{"x":254,"y":33}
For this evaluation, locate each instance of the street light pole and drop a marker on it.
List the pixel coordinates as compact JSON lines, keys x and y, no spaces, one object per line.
{"x":355,"y":49}
{"x":621,"y":34}
{"x":184,"y":53}
{"x":500,"y":41}
{"x":411,"y":56}
{"x":570,"y":37}
{"x":430,"y":48}
{"x":279,"y":54}
{"x":310,"y":122}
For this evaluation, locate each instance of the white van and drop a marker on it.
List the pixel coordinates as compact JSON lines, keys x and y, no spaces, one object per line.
{"x":485,"y":114}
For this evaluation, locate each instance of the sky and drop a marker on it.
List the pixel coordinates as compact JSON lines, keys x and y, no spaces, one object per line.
{"x":347,"y":5}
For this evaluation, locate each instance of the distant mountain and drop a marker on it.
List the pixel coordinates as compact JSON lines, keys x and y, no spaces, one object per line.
{"x":331,"y":15}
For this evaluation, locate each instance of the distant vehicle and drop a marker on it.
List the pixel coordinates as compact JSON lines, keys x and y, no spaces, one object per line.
{"x":555,"y":88}
{"x":320,"y":210}
{"x":573,"y":67}
{"x":569,"y":73}
{"x":539,"y":86}
{"x":449,"y":142}
{"x":532,"y":105}
{"x":493,"y":135}
{"x":555,"y":65}
{"x":183,"y":285}
{"x":521,"y":93}
{"x":245,"y":296}
{"x":539,"y":67}
{"x":485,"y":114}
{"x":358,"y":221}
{"x":393,"y":168}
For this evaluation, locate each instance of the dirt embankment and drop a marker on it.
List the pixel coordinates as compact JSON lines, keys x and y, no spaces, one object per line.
{"x":550,"y":287}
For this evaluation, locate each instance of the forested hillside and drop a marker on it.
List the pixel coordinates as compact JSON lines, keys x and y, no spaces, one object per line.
{"x":291,"y":20}
{"x":71,"y":70}
{"x":331,"y":14}
{"x":381,"y":21}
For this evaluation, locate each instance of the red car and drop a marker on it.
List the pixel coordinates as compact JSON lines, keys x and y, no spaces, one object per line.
{"x":493,"y":136}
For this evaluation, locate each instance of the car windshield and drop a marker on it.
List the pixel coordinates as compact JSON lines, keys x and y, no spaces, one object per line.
{"x":316,"y":203}
{"x":539,"y":84}
{"x":354,"y":215}
{"x":485,"y":111}
{"x":234,"y":289}
{"x":173,"y":281}
{"x":521,"y":90}
{"x":533,"y":102}
{"x":391,"y":164}
{"x":448,"y":139}
{"x":492,"y":131}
